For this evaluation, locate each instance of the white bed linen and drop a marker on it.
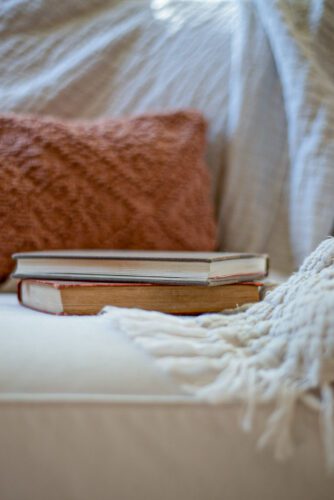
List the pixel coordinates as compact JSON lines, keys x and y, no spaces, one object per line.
{"x":85,"y":415}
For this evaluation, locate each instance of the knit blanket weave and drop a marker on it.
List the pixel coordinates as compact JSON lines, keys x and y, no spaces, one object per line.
{"x":280,"y":350}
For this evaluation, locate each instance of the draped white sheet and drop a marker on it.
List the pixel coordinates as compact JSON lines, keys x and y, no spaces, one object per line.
{"x":270,"y":154}
{"x":92,"y":58}
{"x":301,"y":35}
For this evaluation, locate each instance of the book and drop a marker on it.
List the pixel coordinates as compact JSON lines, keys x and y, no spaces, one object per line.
{"x":70,"y":297}
{"x":196,"y":268}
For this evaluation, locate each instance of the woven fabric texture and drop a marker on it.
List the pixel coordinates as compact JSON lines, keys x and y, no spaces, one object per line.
{"x":137,"y":183}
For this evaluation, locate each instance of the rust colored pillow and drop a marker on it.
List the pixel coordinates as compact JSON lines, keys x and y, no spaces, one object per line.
{"x":135,"y":183}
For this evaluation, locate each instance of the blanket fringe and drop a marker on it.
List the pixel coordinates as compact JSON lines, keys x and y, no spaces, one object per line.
{"x":280,"y":350}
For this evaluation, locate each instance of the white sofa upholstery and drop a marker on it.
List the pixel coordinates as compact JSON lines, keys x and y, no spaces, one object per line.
{"x":42,"y":353}
{"x":84,"y":414}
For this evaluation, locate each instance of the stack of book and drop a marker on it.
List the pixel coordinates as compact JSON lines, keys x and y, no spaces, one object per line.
{"x":83,"y":282}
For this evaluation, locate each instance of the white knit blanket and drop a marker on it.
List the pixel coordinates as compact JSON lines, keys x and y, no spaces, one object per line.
{"x":280,"y":350}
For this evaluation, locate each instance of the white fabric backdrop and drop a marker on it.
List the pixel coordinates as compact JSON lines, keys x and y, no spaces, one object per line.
{"x":270,"y":157}
{"x":301,"y":35}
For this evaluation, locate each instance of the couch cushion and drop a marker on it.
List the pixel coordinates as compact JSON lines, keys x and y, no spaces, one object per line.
{"x":41,"y":353}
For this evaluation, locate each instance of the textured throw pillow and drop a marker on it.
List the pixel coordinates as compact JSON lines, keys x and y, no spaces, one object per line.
{"x":136,"y":183}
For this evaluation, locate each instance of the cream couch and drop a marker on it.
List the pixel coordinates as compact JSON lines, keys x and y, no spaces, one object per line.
{"x":84,"y":414}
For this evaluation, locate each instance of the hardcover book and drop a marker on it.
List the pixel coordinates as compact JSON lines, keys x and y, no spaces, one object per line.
{"x":196,"y":268}
{"x":63,"y":297}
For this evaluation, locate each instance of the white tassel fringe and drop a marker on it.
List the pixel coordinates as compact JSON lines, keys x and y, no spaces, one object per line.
{"x":277,"y":351}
